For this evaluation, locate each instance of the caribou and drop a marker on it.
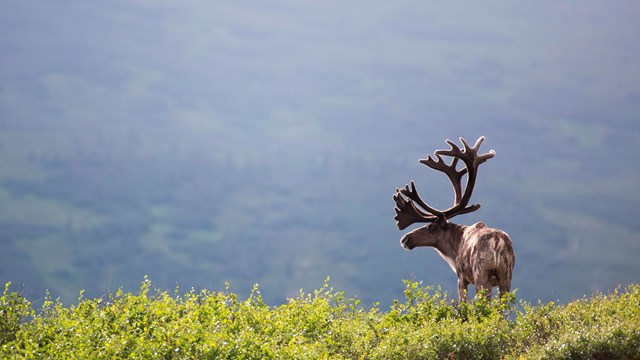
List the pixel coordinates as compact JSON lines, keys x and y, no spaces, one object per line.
{"x":479,"y":255}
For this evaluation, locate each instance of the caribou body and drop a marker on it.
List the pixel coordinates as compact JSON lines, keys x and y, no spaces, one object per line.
{"x":479,"y":255}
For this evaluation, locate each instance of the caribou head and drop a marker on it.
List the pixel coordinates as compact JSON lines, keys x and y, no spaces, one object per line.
{"x":478,"y":254}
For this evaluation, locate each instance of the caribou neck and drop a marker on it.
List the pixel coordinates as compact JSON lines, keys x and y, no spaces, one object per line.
{"x":449,"y":245}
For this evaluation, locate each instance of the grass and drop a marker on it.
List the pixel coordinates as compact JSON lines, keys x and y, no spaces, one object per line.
{"x":156,"y":324}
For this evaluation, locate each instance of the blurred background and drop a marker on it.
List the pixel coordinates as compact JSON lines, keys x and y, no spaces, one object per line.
{"x":200,"y":142}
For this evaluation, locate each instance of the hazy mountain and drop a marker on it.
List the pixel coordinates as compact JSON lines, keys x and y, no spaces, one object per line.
{"x":202,"y":142}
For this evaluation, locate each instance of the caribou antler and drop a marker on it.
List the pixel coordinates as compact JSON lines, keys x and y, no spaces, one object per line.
{"x":454,"y":175}
{"x":406,"y":211}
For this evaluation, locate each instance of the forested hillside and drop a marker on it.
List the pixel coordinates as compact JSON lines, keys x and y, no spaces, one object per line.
{"x":199,"y":143}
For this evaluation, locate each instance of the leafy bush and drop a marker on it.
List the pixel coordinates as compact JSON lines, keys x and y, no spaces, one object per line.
{"x":156,"y":324}
{"x":13,"y":309}
{"x":600,"y":327}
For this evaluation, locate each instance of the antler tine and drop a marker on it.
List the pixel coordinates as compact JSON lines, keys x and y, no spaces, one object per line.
{"x":469,"y":155}
{"x":467,"y":148}
{"x":454,"y":151}
{"x":479,"y":159}
{"x":455,"y":176}
{"x":472,"y":161}
{"x":478,"y":142}
{"x":406,"y":211}
{"x":412,"y":194}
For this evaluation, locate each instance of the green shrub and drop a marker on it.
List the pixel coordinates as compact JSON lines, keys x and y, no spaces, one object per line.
{"x":600,"y":327}
{"x":155,"y":324}
{"x":13,"y":310}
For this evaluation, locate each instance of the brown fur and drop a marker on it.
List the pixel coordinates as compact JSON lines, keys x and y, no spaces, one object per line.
{"x":479,"y":255}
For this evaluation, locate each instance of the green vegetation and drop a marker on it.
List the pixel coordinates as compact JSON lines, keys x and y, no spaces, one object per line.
{"x":156,"y":324}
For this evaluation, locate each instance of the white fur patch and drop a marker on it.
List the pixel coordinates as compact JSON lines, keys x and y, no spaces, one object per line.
{"x":449,"y":260}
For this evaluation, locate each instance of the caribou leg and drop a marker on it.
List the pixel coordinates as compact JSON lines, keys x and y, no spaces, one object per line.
{"x":462,"y":289}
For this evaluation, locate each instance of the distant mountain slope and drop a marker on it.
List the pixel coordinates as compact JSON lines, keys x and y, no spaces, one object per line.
{"x":201,"y":143}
